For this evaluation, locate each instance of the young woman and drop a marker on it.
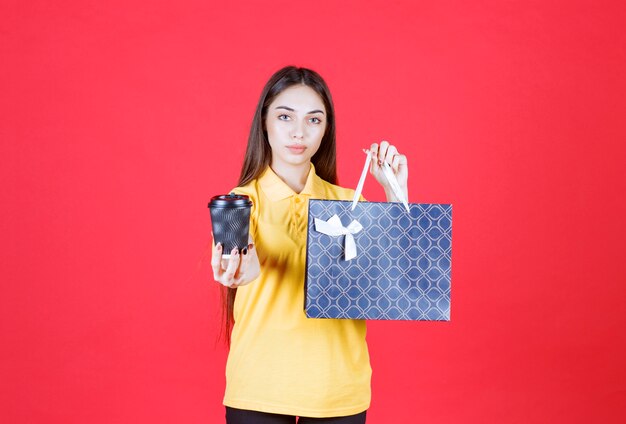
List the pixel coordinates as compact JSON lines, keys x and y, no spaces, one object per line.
{"x":282,"y":365}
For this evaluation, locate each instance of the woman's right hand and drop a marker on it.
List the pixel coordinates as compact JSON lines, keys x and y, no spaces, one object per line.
{"x":239,"y":270}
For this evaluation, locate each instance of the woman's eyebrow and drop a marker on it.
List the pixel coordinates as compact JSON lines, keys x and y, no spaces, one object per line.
{"x":293,"y":110}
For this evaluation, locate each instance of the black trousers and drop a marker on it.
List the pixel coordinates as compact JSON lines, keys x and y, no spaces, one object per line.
{"x":244,"y":416}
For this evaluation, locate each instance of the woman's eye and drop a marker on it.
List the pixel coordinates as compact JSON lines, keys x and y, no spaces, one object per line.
{"x":316,"y":120}
{"x":283,"y":117}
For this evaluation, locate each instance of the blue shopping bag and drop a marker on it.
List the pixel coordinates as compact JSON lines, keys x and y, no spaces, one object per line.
{"x":378,"y":260}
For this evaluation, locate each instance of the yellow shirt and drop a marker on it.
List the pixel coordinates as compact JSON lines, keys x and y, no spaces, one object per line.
{"x":280,"y":361}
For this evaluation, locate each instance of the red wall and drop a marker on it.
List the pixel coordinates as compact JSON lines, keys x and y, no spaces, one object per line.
{"x":120,"y":119}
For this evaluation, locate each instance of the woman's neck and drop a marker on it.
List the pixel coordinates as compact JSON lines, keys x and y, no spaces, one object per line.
{"x":294,"y":176}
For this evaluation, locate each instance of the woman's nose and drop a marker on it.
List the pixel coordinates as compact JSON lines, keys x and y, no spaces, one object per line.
{"x":298,"y":130}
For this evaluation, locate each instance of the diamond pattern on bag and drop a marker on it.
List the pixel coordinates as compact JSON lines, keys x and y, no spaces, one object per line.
{"x":402,"y":268}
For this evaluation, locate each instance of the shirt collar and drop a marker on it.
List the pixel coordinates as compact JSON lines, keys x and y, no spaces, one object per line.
{"x":276,"y":189}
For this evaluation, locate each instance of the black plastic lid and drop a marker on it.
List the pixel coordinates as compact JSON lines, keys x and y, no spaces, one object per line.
{"x":231,"y":200}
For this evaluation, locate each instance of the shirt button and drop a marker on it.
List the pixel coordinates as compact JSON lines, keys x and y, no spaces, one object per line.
{"x":298,"y":200}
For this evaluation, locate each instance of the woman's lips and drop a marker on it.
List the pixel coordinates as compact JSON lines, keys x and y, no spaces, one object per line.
{"x":296,"y":148}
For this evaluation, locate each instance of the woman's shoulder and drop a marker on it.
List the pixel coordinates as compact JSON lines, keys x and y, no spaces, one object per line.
{"x":249,"y":189}
{"x":245,"y":190}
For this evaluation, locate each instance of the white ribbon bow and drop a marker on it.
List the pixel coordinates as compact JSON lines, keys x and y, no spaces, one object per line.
{"x":334,"y":227}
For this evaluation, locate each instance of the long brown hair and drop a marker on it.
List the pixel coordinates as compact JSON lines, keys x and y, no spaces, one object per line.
{"x":259,"y":153}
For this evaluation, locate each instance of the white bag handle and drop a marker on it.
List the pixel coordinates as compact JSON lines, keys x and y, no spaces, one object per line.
{"x":388,"y":174}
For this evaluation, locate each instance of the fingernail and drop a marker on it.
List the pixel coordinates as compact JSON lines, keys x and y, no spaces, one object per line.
{"x":234,"y":251}
{"x":219,"y":246}
{"x":245,"y":250}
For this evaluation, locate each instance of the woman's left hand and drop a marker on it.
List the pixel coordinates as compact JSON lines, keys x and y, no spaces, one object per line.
{"x":386,"y":152}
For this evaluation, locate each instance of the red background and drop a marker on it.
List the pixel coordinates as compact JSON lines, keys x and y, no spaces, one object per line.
{"x":120,"y":119}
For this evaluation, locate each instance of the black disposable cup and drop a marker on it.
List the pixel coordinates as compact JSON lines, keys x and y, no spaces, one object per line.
{"x":230,"y":219}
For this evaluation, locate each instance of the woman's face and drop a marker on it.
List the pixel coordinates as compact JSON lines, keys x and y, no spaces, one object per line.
{"x":295,"y":124}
